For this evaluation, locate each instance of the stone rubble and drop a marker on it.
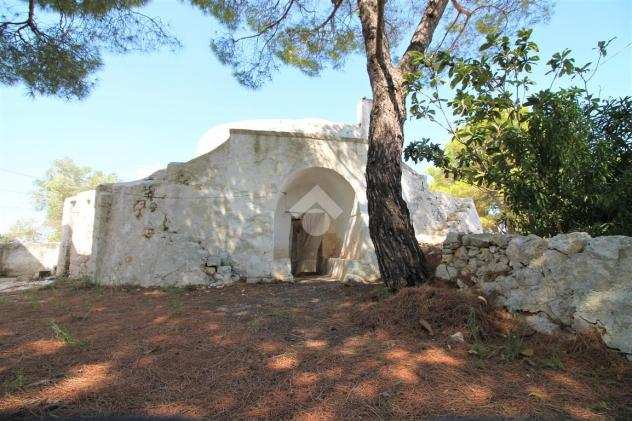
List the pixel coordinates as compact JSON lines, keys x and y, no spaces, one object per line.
{"x":457,"y":337}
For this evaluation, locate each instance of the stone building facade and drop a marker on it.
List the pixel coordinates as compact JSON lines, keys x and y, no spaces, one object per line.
{"x":268,"y":199}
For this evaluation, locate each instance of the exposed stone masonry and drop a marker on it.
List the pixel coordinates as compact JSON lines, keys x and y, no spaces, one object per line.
{"x":570,"y":281}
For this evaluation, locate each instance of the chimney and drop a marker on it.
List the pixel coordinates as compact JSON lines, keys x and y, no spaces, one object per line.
{"x":363,"y":111}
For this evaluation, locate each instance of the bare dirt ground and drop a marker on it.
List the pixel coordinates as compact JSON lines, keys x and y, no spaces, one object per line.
{"x":310,"y":351}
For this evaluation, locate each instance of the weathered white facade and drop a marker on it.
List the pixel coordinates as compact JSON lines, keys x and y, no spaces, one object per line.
{"x":242,"y":208}
{"x":28,"y":260}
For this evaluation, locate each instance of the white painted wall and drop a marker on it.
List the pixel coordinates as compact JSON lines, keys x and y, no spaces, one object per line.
{"x":227,"y":205}
{"x":26,"y":259}
{"x":75,"y":250}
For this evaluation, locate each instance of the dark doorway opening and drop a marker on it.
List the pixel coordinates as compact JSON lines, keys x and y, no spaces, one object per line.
{"x":306,"y":251}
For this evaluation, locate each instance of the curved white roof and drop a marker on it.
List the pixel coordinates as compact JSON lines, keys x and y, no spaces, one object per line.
{"x":217,"y":135}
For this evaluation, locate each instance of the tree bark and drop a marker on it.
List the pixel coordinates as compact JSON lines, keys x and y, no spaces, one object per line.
{"x":400,"y":259}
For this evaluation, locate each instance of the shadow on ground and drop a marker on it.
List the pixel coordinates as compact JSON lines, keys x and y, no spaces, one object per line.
{"x":268,"y":351}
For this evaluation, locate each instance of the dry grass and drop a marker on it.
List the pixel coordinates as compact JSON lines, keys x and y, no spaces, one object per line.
{"x":422,"y":311}
{"x":315,"y":351}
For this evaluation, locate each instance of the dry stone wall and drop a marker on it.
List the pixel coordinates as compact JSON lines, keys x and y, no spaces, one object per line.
{"x":570,"y":281}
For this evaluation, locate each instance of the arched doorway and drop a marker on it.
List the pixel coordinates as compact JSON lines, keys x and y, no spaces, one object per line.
{"x":313,"y":220}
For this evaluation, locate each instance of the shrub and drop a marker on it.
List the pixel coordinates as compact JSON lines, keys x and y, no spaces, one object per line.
{"x":561,"y":160}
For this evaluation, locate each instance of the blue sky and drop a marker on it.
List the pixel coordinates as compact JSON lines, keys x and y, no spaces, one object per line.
{"x":150,"y":109}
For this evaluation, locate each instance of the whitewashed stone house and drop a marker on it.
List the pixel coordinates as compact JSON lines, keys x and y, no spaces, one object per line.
{"x":262,"y":200}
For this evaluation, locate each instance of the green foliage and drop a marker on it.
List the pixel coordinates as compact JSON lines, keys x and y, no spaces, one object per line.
{"x":488,"y":202}
{"x":382,"y":292}
{"x":602,"y":406}
{"x":479,"y":348}
{"x":311,"y":35}
{"x":54,"y":47}
{"x":22,"y":230}
{"x":553,"y":361}
{"x":175,"y":305}
{"x":172,"y":289}
{"x":260,"y":35}
{"x":33,"y":299}
{"x":63,"y":334}
{"x":17,"y":382}
{"x":513,"y":347}
{"x":62,"y":180}
{"x":560,"y":159}
{"x":473,"y":326}
{"x":86,"y":283}
{"x":481,"y":351}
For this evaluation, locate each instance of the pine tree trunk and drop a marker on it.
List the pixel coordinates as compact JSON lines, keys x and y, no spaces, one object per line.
{"x":400,"y":258}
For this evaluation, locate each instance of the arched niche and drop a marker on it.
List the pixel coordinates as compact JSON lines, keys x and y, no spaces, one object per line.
{"x":314,"y":219}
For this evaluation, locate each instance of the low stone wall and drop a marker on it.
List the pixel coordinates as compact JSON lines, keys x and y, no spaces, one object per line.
{"x":570,"y":280}
{"x":26,"y":260}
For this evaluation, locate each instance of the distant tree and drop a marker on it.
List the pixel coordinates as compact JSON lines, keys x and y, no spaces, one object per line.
{"x":488,"y":202}
{"x":54,"y":47}
{"x":310,"y":35}
{"x":22,"y":230}
{"x":62,"y":180}
{"x":561,"y":159}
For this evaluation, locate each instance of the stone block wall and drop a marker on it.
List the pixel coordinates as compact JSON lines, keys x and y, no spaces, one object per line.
{"x":569,"y":281}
